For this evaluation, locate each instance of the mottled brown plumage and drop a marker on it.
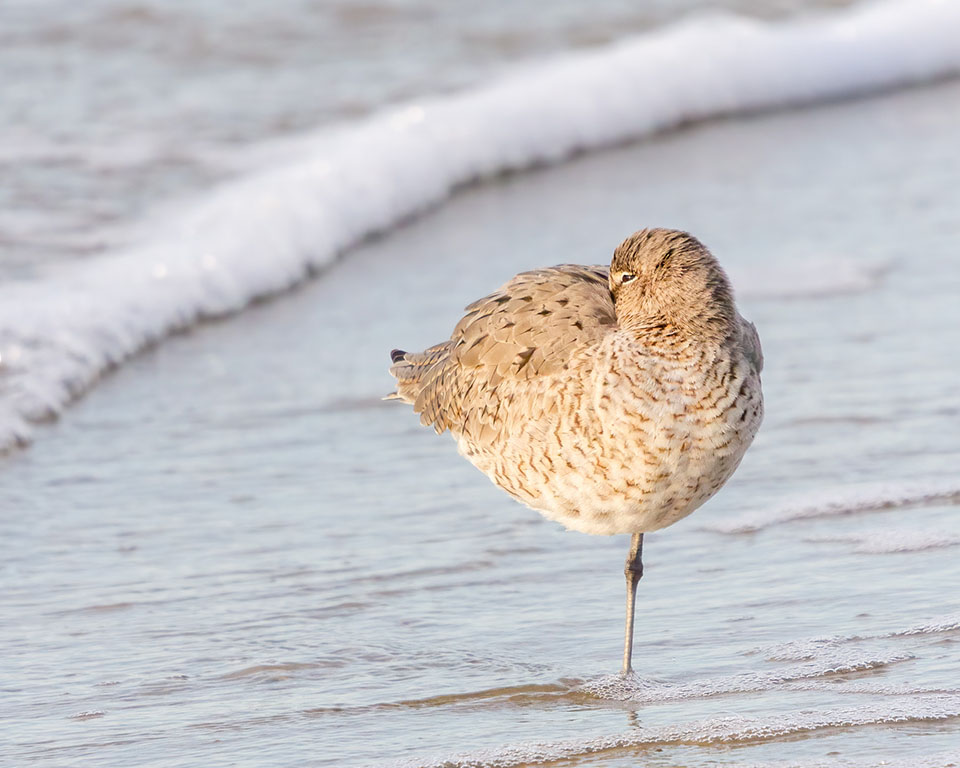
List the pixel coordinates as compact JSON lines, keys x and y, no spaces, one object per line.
{"x":612,"y":400}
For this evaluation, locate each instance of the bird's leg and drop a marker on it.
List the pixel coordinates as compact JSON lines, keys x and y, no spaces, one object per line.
{"x":633,"y":571}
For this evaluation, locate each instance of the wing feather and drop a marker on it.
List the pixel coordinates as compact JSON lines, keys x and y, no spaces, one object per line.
{"x":531,"y":327}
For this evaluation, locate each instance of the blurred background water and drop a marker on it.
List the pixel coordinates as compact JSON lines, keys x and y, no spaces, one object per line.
{"x":231,"y":552}
{"x":112,"y":107}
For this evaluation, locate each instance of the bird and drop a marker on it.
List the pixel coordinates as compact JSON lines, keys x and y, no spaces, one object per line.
{"x":613,"y":400}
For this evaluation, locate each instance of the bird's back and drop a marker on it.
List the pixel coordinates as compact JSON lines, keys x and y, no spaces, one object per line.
{"x":531,"y":328}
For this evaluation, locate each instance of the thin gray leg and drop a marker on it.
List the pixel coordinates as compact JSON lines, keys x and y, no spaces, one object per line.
{"x":633,"y":571}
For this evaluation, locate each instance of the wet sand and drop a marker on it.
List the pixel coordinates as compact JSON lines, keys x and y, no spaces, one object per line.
{"x":232,"y":552}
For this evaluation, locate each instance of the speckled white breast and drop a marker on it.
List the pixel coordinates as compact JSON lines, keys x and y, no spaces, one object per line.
{"x":634,"y":446}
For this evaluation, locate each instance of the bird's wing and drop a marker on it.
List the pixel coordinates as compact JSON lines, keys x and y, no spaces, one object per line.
{"x":750,"y":343}
{"x":529,"y":328}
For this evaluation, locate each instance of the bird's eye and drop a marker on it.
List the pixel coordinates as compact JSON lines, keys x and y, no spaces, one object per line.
{"x":626,"y":277}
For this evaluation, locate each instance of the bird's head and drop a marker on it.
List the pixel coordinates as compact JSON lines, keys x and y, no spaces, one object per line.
{"x":663,"y":278}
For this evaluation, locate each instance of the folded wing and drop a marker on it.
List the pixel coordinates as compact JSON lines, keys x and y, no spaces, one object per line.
{"x":531,"y":328}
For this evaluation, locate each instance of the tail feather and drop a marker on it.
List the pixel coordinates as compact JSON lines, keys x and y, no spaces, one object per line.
{"x":412,"y":369}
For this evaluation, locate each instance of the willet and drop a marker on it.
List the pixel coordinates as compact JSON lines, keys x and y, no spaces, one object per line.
{"x":611,"y":400}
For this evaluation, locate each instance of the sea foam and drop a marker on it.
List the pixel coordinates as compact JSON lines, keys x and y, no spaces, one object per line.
{"x":884,"y":541}
{"x":837,"y":661}
{"x":728,"y":730}
{"x":855,"y":499}
{"x":269,"y":231}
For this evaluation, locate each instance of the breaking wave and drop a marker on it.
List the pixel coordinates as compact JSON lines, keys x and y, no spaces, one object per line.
{"x":269,"y":231}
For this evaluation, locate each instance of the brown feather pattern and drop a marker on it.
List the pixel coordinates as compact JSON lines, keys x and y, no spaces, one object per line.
{"x":612,"y":400}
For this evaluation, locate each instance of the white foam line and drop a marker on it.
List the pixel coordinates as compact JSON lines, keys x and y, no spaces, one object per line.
{"x":943,"y":624}
{"x":947,"y":759}
{"x":814,"y":276}
{"x":882,"y":542}
{"x":824,"y":647}
{"x":869,"y":688}
{"x":843,"y":501}
{"x":618,"y":688}
{"x":260,"y":236}
{"x":719,"y":730}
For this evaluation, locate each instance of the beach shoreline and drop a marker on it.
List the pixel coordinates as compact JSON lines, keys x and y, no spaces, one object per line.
{"x":230,"y":550}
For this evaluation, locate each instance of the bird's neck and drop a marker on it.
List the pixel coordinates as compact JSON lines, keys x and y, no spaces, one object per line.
{"x":678,"y":328}
{"x":672,"y":339}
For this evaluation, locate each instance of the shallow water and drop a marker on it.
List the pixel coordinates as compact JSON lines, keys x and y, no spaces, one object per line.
{"x":232,"y":552}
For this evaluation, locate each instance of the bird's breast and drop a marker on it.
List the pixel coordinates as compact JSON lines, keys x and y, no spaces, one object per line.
{"x":624,"y":442}
{"x":673,"y":430}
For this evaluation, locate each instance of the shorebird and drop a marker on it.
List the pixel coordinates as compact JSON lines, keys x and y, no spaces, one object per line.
{"x":614,"y":401}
